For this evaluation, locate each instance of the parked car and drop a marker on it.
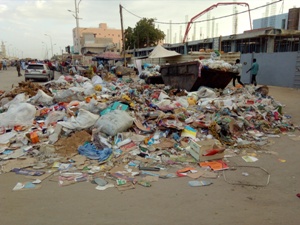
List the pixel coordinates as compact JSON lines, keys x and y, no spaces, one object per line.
{"x":38,"y":71}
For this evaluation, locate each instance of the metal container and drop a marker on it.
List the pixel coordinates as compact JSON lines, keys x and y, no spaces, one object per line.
{"x":186,"y":76}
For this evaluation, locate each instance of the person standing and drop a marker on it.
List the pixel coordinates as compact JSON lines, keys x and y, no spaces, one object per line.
{"x":4,"y":64}
{"x":253,"y":72}
{"x":18,"y":66}
{"x":237,"y":77}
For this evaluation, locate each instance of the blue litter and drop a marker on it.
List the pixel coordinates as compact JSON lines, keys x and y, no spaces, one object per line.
{"x":90,"y":151}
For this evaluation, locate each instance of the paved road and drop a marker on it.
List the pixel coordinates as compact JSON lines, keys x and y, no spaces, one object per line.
{"x":9,"y":78}
{"x":168,"y":201}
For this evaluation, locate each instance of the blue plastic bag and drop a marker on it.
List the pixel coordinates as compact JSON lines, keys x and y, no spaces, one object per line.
{"x":90,"y":151}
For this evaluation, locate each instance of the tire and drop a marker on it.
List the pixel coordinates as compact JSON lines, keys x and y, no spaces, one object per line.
{"x":48,"y":78}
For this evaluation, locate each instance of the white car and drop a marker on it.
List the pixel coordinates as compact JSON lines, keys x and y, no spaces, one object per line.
{"x":38,"y":71}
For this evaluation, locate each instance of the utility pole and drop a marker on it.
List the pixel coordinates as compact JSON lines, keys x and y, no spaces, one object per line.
{"x":123,"y":38}
{"x":77,"y":26}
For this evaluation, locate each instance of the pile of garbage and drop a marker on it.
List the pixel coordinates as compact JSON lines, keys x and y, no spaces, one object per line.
{"x":149,"y":70}
{"x":115,"y":133}
{"x":217,"y":65}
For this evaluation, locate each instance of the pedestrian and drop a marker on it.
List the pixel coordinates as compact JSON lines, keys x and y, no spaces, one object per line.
{"x":253,"y":72}
{"x":4,"y":65}
{"x":51,"y":67}
{"x":18,"y":66}
{"x":237,"y":77}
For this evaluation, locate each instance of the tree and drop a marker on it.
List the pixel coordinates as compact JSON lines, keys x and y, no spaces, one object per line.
{"x":144,"y":34}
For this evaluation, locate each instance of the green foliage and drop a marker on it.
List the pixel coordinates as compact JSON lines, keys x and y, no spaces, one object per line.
{"x":144,"y":34}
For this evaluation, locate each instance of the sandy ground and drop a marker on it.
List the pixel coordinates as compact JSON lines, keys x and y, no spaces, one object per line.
{"x":169,"y":201}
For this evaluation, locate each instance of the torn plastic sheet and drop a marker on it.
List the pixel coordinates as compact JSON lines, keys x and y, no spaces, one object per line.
{"x":90,"y":151}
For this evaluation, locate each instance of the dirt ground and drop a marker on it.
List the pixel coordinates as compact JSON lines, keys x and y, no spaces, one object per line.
{"x":168,"y":201}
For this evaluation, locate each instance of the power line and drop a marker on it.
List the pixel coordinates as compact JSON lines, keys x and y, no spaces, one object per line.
{"x":201,"y":21}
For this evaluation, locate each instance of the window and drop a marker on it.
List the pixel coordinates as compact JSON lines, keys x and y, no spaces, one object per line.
{"x":283,"y":21}
{"x":35,"y":67}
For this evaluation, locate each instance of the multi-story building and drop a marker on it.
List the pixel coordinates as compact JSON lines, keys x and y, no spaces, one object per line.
{"x":287,"y":21}
{"x":97,"y":39}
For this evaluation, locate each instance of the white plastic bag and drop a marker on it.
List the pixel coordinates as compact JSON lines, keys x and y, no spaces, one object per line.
{"x":18,"y":114}
{"x":84,"y":120}
{"x":114,"y":122}
{"x":204,"y":92}
{"x":93,"y":106}
{"x":17,"y":99}
{"x":88,"y":89}
{"x":69,"y":95}
{"x":183,"y":101}
{"x":97,"y":80}
{"x":42,"y":98}
{"x":54,"y":116}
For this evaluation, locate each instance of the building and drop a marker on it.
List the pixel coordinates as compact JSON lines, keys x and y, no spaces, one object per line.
{"x":277,"y":50}
{"x":276,"y":21}
{"x":287,"y":21}
{"x":97,"y":39}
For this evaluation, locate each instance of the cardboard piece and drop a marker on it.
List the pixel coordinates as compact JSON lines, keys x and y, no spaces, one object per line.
{"x":199,"y":149}
{"x":17,"y":163}
{"x":141,"y":126}
{"x":216,"y":165}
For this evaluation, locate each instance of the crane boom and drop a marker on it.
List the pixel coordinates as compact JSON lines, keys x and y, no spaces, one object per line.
{"x":209,"y":9}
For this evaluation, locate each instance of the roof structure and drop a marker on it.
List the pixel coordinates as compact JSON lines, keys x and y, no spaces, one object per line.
{"x":161,"y":52}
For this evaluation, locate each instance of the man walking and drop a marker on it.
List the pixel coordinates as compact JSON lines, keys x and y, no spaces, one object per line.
{"x":18,"y":66}
{"x":253,"y":72}
{"x":238,"y":66}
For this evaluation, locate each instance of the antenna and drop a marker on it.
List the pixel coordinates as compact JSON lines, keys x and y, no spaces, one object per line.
{"x":266,"y":19}
{"x":273,"y":12}
{"x":234,"y":19}
{"x":170,"y":32}
{"x":194,"y":34}
{"x":281,"y":7}
{"x":213,"y":27}
{"x":180,"y":33}
{"x":208,"y":25}
{"x":201,"y":34}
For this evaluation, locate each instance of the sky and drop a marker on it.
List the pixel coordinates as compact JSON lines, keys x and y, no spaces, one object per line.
{"x":24,"y":23}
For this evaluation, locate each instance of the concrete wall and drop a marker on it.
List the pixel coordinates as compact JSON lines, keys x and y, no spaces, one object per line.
{"x":275,"y":69}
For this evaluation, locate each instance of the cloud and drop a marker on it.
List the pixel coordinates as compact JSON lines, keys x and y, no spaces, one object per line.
{"x":3,"y":8}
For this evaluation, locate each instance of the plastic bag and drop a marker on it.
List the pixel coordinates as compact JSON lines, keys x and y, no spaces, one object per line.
{"x":93,"y":106}
{"x":97,"y":80}
{"x":18,"y":99}
{"x":54,"y":116}
{"x":183,"y":101}
{"x":42,"y":98}
{"x":18,"y":114}
{"x":204,"y":92}
{"x":84,"y":120}
{"x":90,"y":151}
{"x":81,"y":79}
{"x":114,"y":122}
{"x":88,"y":88}
{"x":69,"y":95}
{"x":61,"y":80}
